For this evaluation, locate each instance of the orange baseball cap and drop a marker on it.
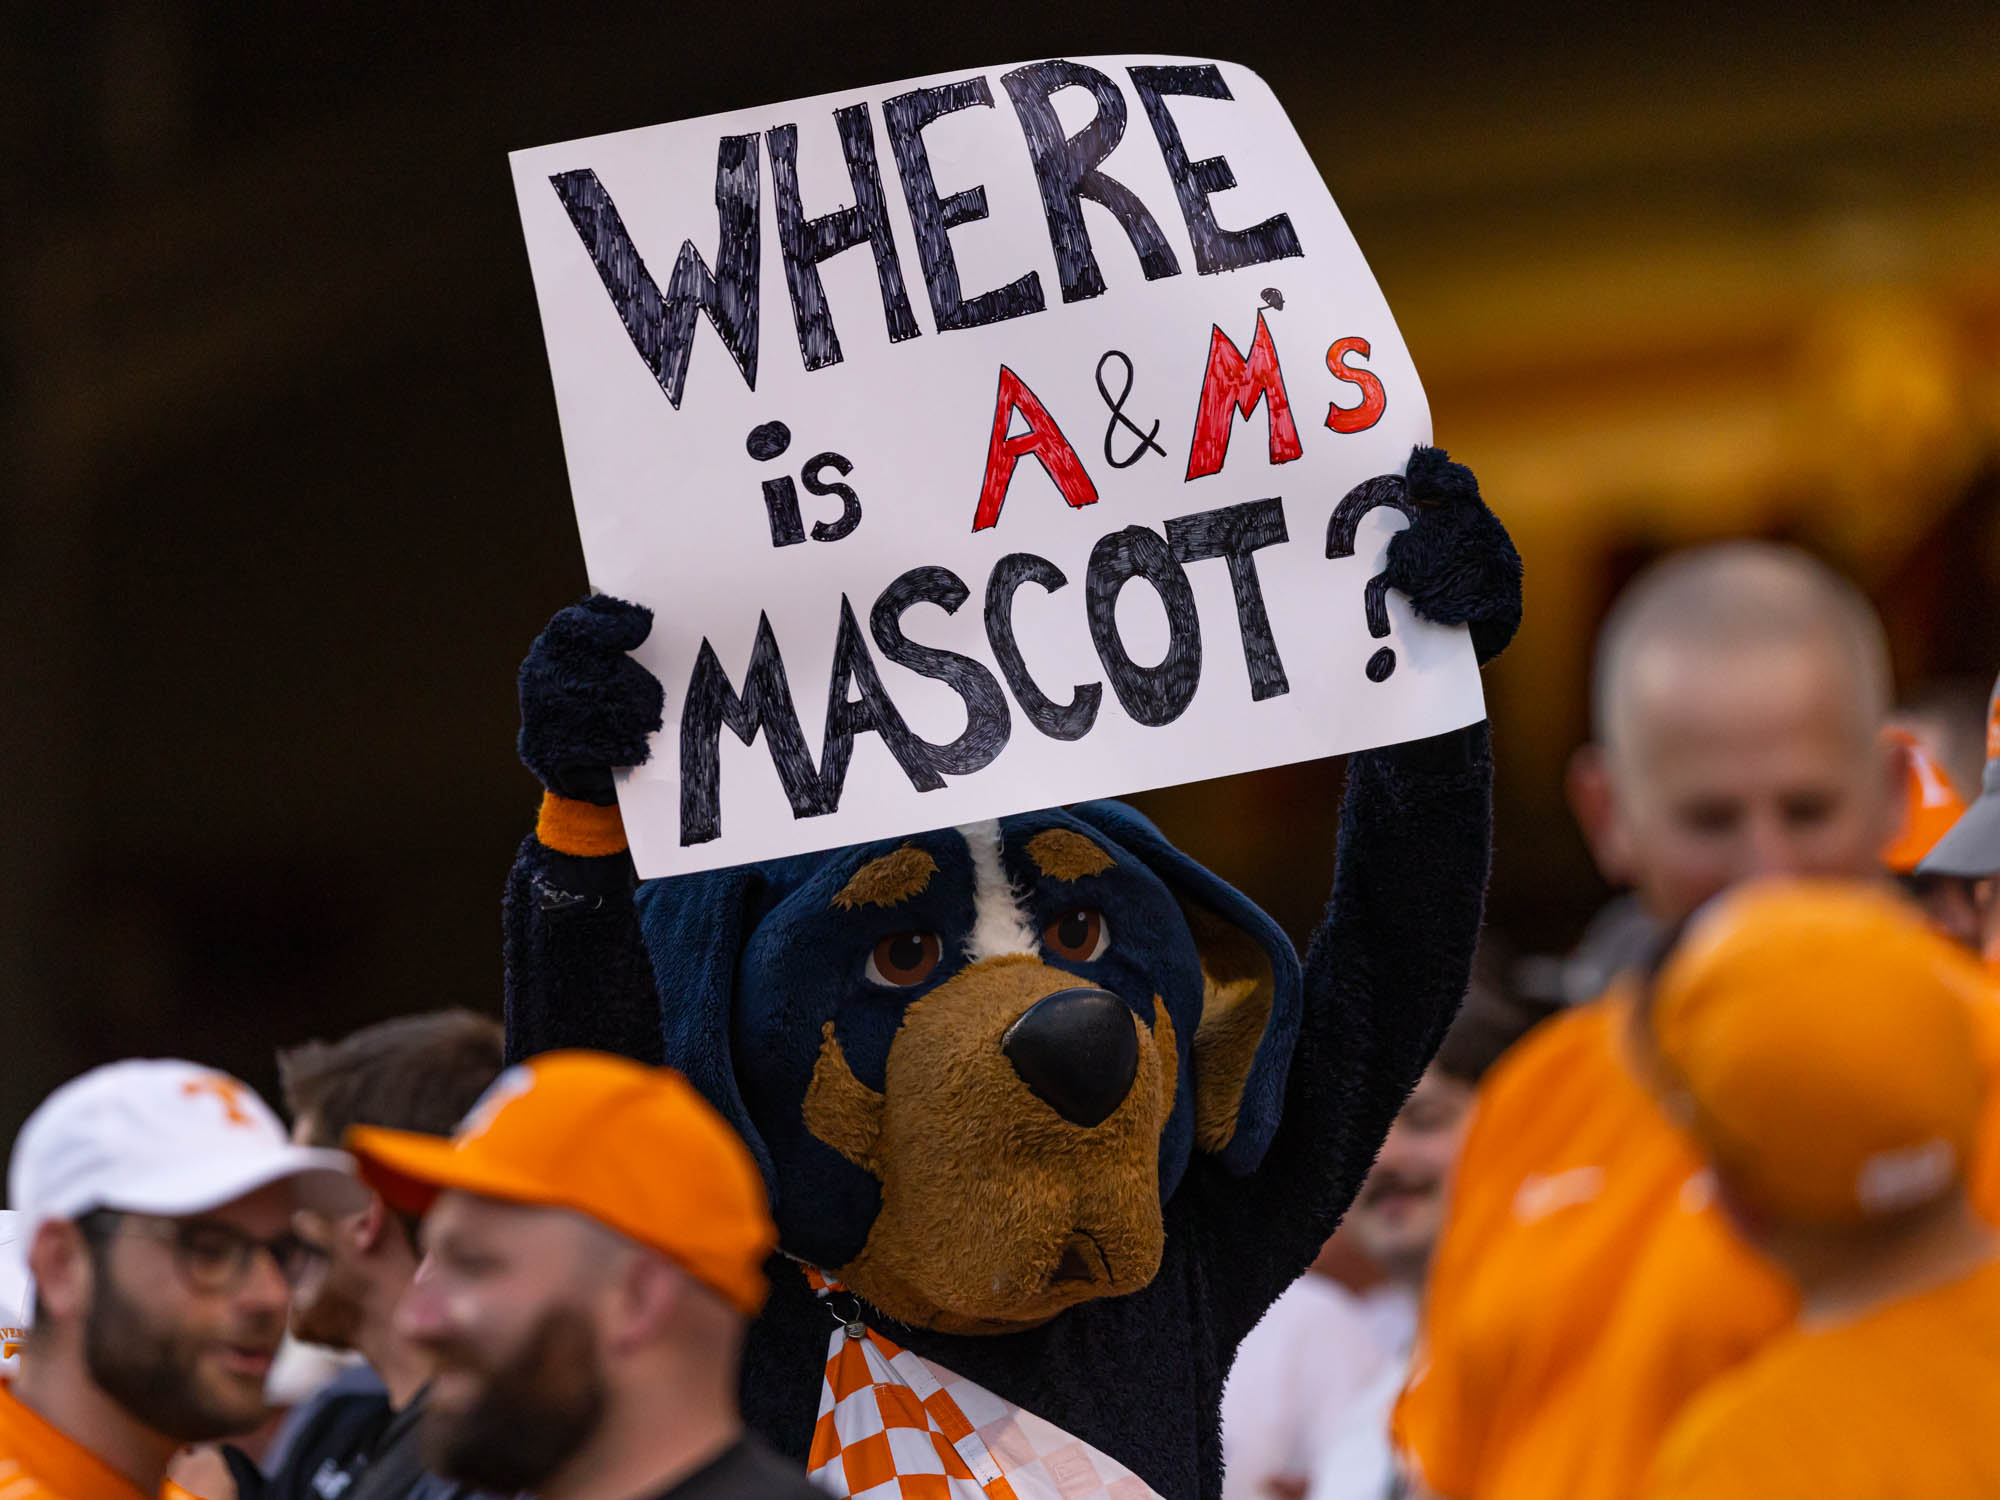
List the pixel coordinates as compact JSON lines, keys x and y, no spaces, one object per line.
{"x":633,"y":1147}
{"x":1931,"y":805}
{"x":1820,"y":1043}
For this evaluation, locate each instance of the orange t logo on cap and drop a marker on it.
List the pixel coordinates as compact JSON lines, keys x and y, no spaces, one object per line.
{"x":228,"y":1090}
{"x":501,"y":1092}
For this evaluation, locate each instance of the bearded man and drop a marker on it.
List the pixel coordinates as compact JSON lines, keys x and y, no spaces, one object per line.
{"x":594,"y":1238}
{"x":155,"y":1202}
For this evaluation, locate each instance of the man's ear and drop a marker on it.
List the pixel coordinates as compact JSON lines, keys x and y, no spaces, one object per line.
{"x":368,"y":1225}
{"x":1895,"y":772}
{"x":646,"y":1294}
{"x":59,"y":1261}
{"x":1593,"y":803}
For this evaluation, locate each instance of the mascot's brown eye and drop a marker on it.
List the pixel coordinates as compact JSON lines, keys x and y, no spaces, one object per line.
{"x":905,"y":958}
{"x":1078,"y":936}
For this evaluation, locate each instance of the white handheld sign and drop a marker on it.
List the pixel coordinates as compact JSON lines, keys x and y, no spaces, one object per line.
{"x":976,"y":442}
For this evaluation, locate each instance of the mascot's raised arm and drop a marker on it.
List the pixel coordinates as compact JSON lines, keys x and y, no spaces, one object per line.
{"x":1049,"y":1113}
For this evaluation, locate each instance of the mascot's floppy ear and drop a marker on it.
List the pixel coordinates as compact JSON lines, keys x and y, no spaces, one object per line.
{"x":1251,"y":994}
{"x":695,"y":927}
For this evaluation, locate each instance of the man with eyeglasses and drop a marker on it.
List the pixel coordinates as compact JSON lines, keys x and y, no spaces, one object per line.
{"x":156,"y":1201}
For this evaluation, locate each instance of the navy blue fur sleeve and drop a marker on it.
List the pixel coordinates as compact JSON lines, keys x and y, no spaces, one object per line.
{"x":1384,"y":975}
{"x":577,"y":971}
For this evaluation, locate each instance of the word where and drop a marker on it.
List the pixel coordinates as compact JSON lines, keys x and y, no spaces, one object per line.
{"x":1068,"y":169}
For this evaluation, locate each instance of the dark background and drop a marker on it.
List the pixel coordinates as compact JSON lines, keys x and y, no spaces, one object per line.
{"x":282,"y":496}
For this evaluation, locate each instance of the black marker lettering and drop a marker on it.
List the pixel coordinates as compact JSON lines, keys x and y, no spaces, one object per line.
{"x":1236,"y":532}
{"x":662,"y":328}
{"x":807,"y":242}
{"x":1153,"y":695}
{"x":854,"y":668}
{"x":987,"y":723}
{"x":850,"y":503}
{"x":765,"y":704}
{"x":934,"y":218}
{"x":1067,"y":170}
{"x":1059,"y":721}
{"x":1215,"y":248}
{"x":781,"y":505}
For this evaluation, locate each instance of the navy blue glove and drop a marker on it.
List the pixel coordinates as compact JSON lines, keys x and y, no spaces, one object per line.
{"x":586,"y":706}
{"x":1455,"y":562}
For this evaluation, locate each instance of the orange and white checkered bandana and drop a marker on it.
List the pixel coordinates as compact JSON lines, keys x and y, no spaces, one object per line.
{"x":894,"y":1426}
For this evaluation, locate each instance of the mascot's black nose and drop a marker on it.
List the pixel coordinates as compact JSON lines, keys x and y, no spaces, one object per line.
{"x":1078,"y":1051}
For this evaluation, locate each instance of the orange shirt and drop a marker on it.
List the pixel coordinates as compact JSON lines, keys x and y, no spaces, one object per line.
{"x":1583,"y":1287}
{"x":40,"y":1462}
{"x":1902,"y":1401}
{"x":1984,"y":1181}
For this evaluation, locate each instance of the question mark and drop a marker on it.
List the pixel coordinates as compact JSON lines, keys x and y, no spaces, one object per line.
{"x":1384,"y":489}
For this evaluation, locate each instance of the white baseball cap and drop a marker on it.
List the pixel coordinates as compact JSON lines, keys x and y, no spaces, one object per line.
{"x":161,"y":1136}
{"x":14,"y":1294}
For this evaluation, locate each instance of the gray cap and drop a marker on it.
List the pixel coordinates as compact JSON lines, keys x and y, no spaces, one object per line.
{"x":1971,"y":848}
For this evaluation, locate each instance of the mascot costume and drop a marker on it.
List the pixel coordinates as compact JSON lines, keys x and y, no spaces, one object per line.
{"x":1049,"y":1113}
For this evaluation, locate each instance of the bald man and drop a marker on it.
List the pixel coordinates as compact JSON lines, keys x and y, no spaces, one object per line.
{"x":1584,"y":1285}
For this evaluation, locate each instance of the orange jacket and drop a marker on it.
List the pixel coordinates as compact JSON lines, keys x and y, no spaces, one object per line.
{"x":1584,"y":1287}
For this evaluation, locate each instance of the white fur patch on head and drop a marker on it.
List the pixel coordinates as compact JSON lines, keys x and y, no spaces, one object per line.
{"x":999,"y":917}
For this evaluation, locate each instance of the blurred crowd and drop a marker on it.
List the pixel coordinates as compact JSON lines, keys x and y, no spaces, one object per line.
{"x":1713,"y":1226}
{"x":1706,"y":1214}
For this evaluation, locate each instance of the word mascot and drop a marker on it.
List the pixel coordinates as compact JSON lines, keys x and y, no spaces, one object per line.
{"x":1049,"y":1114}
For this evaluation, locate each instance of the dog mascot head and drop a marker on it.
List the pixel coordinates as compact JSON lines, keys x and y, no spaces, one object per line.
{"x":974,"y":1063}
